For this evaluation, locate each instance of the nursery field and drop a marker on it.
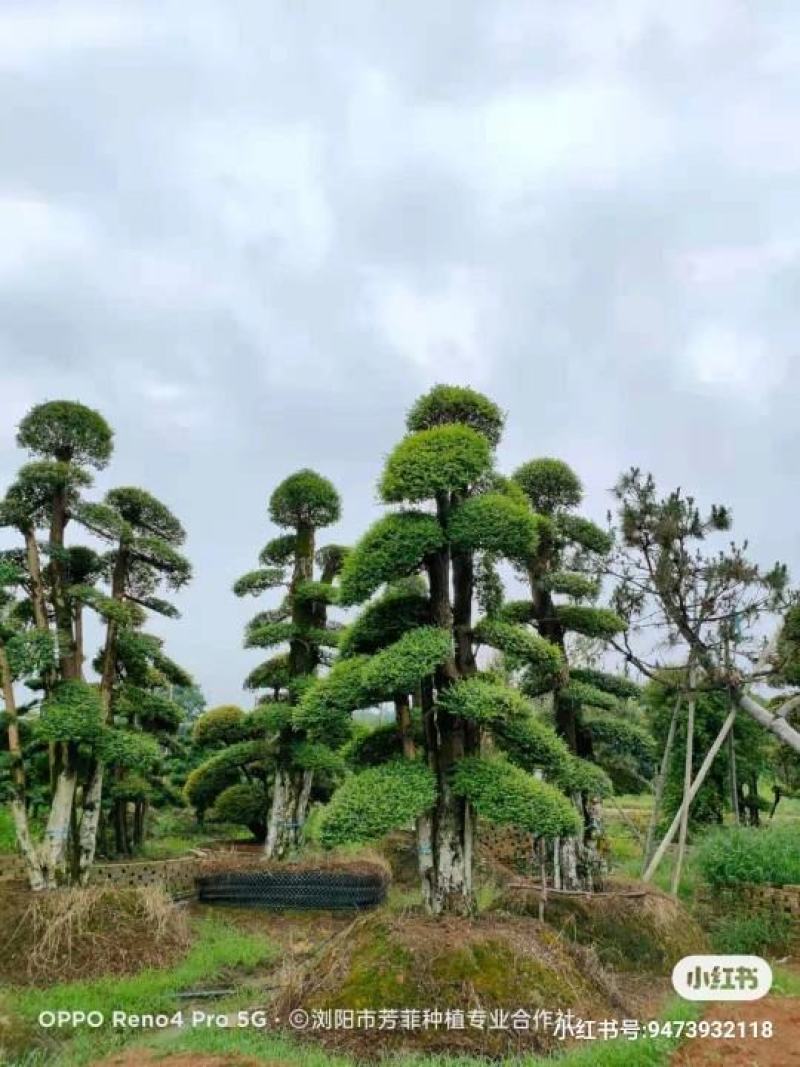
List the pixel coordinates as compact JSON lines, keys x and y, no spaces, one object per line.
{"x":498,"y":768}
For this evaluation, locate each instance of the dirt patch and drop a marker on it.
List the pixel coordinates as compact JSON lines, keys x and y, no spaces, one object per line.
{"x":780,"y":1050}
{"x":71,"y":934}
{"x":140,"y":1057}
{"x":382,"y":962}
{"x":632,"y":927}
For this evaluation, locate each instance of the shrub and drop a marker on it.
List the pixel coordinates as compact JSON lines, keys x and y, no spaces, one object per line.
{"x":755,"y":934}
{"x":742,"y":855}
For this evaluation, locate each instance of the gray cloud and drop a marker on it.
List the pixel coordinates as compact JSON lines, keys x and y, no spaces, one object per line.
{"x":251,"y":233}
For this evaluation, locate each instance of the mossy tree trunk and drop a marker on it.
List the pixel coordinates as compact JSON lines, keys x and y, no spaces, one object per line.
{"x":445,"y":839}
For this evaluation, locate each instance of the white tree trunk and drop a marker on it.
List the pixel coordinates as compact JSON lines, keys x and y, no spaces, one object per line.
{"x":288,"y":810}
{"x":30,"y":855}
{"x":54,"y":850}
{"x":87,"y":835}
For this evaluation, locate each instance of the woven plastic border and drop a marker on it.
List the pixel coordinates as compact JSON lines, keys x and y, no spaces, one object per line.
{"x":293,"y":890}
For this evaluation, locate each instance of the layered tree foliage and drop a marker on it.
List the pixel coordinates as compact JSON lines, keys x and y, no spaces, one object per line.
{"x":233,"y":780}
{"x":48,"y":586}
{"x":465,"y":743}
{"x":301,"y":637}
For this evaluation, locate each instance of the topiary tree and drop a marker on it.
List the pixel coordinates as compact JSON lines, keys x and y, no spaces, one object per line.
{"x":54,"y":584}
{"x":465,"y":743}
{"x":563,"y":570}
{"x":303,"y":503}
{"x":232,"y":782}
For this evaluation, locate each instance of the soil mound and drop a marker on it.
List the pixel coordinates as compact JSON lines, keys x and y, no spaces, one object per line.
{"x":72,"y":934}
{"x":632,"y":927}
{"x":393,"y":964}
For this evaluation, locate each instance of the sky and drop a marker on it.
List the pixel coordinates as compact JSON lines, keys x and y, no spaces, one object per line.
{"x":251,"y":234}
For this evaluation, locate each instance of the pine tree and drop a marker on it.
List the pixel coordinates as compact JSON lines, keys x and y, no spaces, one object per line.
{"x":302,"y":504}
{"x":465,"y":743}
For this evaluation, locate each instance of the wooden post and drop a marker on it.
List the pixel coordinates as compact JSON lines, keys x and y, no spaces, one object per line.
{"x":687,"y":785}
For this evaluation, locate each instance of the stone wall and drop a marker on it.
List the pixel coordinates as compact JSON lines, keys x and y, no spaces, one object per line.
{"x":175,"y":875}
{"x":778,"y":900}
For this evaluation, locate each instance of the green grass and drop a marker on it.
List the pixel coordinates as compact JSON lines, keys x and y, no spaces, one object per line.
{"x":740,"y":855}
{"x":785,"y":983}
{"x":219,"y":947}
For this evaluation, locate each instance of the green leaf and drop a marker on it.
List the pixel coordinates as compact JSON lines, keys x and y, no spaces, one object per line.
{"x":378,"y":800}
{"x":440,"y":460}
{"x":502,"y":793}
{"x":394,"y":547}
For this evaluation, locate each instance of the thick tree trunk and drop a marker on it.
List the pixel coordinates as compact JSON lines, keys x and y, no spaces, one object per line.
{"x":290,"y":795}
{"x":90,"y":821}
{"x":55,"y":853}
{"x":445,"y":847}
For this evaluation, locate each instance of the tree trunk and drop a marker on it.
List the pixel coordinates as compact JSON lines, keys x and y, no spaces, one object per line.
{"x":687,"y":786}
{"x":290,"y":794}
{"x":403,"y":718}
{"x":55,"y":850}
{"x":90,"y":821}
{"x":445,"y":846}
{"x":19,"y":796}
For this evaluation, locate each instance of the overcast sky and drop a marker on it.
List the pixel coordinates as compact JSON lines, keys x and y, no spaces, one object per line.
{"x":252,"y":233}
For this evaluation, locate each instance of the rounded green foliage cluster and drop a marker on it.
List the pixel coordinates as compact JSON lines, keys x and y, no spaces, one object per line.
{"x":394,"y":547}
{"x":66,"y":431}
{"x":503,"y":793}
{"x":30,"y":652}
{"x":616,"y":684}
{"x":220,"y":726}
{"x":326,"y":706}
{"x":256,"y":582}
{"x":483,"y":700}
{"x":314,"y":592}
{"x":446,"y":404}
{"x":533,"y":744}
{"x":208,"y":780}
{"x":550,"y":484}
{"x":378,"y":800}
{"x":582,"y":776}
{"x":270,"y":717}
{"x":175,"y":568}
{"x":244,"y":803}
{"x":304,"y":499}
{"x":577,"y":694}
{"x":518,"y":611}
{"x":521,"y":646}
{"x":493,"y":522}
{"x":129,"y":749}
{"x":28,"y":500}
{"x":384,"y":620}
{"x":401,"y":666}
{"x":142,"y":511}
{"x":147,"y":708}
{"x":584,"y":532}
{"x":370,"y":747}
{"x":311,"y":756}
{"x":274,"y":673}
{"x":268,"y":634}
{"x":72,"y":712}
{"x":572,"y":584}
{"x":592,"y":622}
{"x":442,"y":460}
{"x":131,"y":787}
{"x":279,"y":551}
